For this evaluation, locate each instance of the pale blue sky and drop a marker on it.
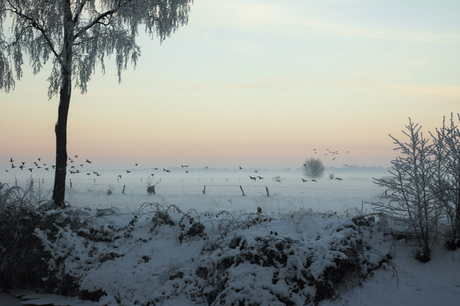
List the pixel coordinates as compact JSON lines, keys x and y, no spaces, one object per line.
{"x":260,"y":84}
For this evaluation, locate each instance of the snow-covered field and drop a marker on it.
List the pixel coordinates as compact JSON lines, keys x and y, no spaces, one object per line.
{"x":156,"y":262}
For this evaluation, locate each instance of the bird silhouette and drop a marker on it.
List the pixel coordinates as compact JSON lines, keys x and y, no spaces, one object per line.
{"x":88,"y":161}
{"x":127,"y":171}
{"x":11,"y":160}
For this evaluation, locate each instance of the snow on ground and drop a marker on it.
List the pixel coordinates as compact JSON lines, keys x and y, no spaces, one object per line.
{"x":151,"y":264}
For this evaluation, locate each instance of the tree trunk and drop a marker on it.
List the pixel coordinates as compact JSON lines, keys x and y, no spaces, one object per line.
{"x":61,"y":144}
{"x":63,"y":111}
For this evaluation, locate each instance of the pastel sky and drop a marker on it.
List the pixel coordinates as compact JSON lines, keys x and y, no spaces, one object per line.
{"x":257,"y":83}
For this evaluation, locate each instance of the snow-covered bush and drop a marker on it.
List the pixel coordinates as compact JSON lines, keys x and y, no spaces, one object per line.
{"x":44,"y":247}
{"x":163,"y":253}
{"x":256,"y":267}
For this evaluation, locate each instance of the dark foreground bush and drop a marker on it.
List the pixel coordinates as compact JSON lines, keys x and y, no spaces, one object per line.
{"x":33,"y":245}
{"x":243,"y":260}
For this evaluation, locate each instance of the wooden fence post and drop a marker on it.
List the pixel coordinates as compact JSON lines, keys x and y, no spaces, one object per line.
{"x":242,"y":190}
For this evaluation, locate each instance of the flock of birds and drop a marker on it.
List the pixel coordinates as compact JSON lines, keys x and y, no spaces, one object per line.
{"x":75,"y":166}
{"x":22,"y":165}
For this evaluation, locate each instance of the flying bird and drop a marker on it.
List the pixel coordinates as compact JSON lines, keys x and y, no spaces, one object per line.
{"x":88,"y":161}
{"x":127,"y":171}
{"x":11,"y":160}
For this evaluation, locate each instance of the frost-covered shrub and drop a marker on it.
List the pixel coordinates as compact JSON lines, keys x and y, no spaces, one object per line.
{"x":313,"y":168}
{"x":410,"y":198}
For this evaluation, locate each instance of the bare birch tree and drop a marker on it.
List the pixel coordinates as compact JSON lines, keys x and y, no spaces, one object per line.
{"x":75,"y":36}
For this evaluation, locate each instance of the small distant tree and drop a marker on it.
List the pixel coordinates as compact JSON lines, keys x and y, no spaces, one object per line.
{"x":75,"y":36}
{"x":446,"y":184}
{"x":410,"y":198}
{"x":313,"y":168}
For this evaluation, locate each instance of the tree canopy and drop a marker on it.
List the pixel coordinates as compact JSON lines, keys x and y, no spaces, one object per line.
{"x":99,"y":29}
{"x":76,"y":35}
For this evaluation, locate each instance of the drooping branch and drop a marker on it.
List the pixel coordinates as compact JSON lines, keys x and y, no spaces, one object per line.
{"x":34,"y":24}
{"x":94,"y":22}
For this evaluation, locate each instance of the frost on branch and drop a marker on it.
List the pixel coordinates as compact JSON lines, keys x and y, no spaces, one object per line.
{"x":99,"y":30}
